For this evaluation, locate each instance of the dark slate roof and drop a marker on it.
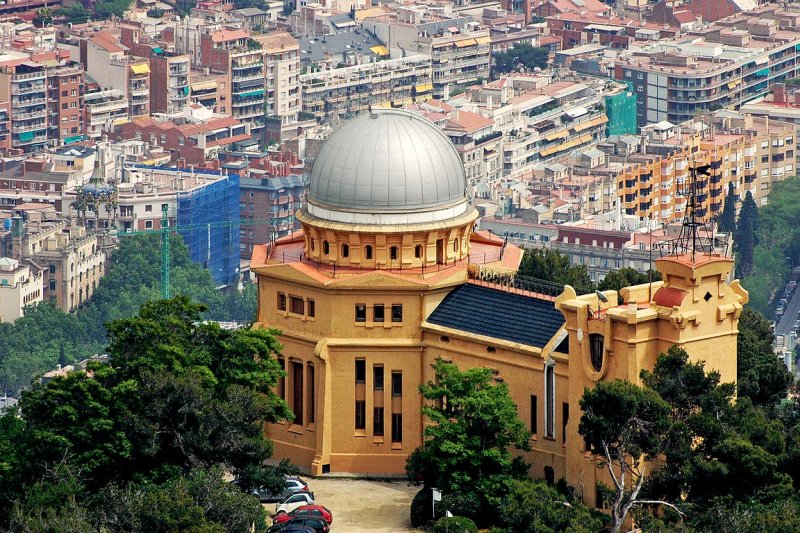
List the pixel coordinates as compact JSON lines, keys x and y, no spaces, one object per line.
{"x":499,"y":314}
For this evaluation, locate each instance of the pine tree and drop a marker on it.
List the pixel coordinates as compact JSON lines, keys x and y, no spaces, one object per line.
{"x":727,"y":221}
{"x":745,"y":237}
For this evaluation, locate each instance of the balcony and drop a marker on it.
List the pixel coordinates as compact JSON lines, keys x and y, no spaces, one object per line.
{"x":30,"y":115}
{"x":28,"y":102}
{"x":29,"y":76}
{"x":29,"y":140}
{"x":28,"y":89}
{"x":29,"y":127}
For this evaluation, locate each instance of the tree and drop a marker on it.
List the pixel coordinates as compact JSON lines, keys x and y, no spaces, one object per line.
{"x":627,"y":277}
{"x":727,"y":221}
{"x":474,"y":426}
{"x":627,"y":426}
{"x":534,"y":507}
{"x":762,"y":377}
{"x":522,"y":56}
{"x":555,"y":267}
{"x":181,"y":395}
{"x":745,"y":239}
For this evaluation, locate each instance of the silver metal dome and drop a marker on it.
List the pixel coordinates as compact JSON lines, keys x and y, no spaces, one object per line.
{"x":387,"y":160}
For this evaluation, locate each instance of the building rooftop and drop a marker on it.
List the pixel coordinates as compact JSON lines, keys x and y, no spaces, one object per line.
{"x":526,"y":319}
{"x":318,"y":48}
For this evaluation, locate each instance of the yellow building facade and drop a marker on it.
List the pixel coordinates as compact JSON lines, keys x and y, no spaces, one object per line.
{"x":386,"y":276}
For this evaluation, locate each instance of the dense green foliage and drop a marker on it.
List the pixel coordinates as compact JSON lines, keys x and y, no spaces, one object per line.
{"x":139,"y":444}
{"x":554,"y":267}
{"x":727,"y":220}
{"x":746,"y":236}
{"x":32,"y":344}
{"x":762,"y":377}
{"x":626,"y":277}
{"x":535,"y":507}
{"x":523,"y":57}
{"x":455,"y":524}
{"x":777,"y":246}
{"x":714,"y":455}
{"x":467,"y":452}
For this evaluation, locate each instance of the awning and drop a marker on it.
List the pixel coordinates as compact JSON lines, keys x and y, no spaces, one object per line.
{"x":731,"y":85}
{"x":248,"y":94}
{"x":73,"y":139}
{"x":158,"y":51}
{"x":141,"y":69}
{"x":380,"y":50}
{"x":763,"y":72}
{"x":585,"y":138}
{"x":483,"y":40}
{"x":576,"y":112}
{"x":762,"y":61}
{"x":556,"y":135}
{"x":202,"y":86}
{"x":423,"y":87}
{"x":547,"y":151}
{"x":465,"y":42}
{"x":121,"y":120}
{"x":27,"y":136}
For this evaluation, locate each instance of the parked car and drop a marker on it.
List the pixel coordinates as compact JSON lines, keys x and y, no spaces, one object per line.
{"x":293,"y":529}
{"x":318,"y":525}
{"x":292,"y":502}
{"x":294,"y":484}
{"x":306,"y":510}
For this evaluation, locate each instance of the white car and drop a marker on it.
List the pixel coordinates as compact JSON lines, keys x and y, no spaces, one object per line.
{"x":294,"y":501}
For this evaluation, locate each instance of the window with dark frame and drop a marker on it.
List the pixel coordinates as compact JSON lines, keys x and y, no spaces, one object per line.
{"x":418,"y":251}
{"x":361,"y":312}
{"x":326,"y":247}
{"x":534,"y":414}
{"x":564,"y":421}
{"x":311,"y":308}
{"x":549,"y":401}
{"x":297,"y":305}
{"x":312,"y":400}
{"x":393,"y":253}
{"x":368,"y":251}
{"x":377,"y":313}
{"x":361,"y":414}
{"x":377,"y":421}
{"x":297,"y":392}
{"x":281,"y":302}
{"x":397,"y":312}
{"x":377,"y":377}
{"x":282,"y":380}
{"x":397,"y":427}
{"x":397,"y":383}
{"x":361,"y":371}
{"x":345,"y":250}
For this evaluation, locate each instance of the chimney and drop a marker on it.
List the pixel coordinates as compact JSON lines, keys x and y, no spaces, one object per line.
{"x":779,"y":93}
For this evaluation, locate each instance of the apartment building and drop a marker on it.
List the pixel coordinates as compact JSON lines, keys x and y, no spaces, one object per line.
{"x":783,"y":105}
{"x":725,"y":64}
{"x":752,"y":153}
{"x":25,"y":88}
{"x":103,"y":111}
{"x":65,"y":103}
{"x":20,"y":285}
{"x":170,"y":80}
{"x":205,"y":88}
{"x":72,"y":259}
{"x":459,"y":49}
{"x":110,"y":64}
{"x":272,"y":198}
{"x":348,"y":91}
{"x":282,"y":81}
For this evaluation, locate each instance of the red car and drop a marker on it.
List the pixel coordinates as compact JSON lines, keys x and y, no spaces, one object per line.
{"x":305,"y":510}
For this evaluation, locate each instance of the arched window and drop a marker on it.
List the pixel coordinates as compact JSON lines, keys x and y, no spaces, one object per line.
{"x":596,"y":349}
{"x":345,"y":250}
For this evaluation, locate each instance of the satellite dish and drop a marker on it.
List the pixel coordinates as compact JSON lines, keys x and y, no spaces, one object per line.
{"x":601,"y":296}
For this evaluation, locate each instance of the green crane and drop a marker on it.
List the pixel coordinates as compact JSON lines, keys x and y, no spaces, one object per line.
{"x":165,"y":230}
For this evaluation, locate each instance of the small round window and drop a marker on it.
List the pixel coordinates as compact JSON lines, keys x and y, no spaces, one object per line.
{"x":596,"y":349}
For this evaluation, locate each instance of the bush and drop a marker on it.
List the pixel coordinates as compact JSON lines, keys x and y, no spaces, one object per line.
{"x":455,"y":524}
{"x":465,"y":503}
{"x":421,"y":507}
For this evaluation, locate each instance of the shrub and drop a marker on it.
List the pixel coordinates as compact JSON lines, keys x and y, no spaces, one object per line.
{"x":455,"y":524}
{"x":465,"y":503}
{"x":421,"y":507}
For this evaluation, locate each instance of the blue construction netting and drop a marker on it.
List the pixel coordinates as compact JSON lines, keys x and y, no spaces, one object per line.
{"x":215,"y":246}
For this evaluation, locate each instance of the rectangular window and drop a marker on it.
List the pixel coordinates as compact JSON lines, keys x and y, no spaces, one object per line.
{"x":564,"y":421}
{"x":311,"y":308}
{"x":282,"y":380}
{"x":298,"y":306}
{"x":397,"y":312}
{"x":52,"y":269}
{"x":377,"y":313}
{"x":297,"y":392}
{"x":550,"y":401}
{"x":534,"y":414}
{"x":361,"y":371}
{"x":377,"y":421}
{"x":397,"y":383}
{"x":361,"y":312}
{"x":281,"y":302}
{"x":361,"y":414}
{"x":397,"y":427}
{"x":368,"y":251}
{"x":148,"y":208}
{"x":312,"y":400}
{"x":377,"y":377}
{"x":393,"y":253}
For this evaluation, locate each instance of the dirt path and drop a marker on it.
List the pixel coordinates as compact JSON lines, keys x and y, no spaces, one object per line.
{"x":362,"y":505}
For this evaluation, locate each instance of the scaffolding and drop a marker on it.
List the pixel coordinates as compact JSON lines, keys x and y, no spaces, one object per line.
{"x":621,"y":111}
{"x":208,"y":220}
